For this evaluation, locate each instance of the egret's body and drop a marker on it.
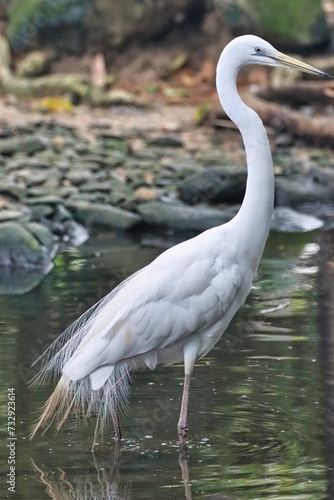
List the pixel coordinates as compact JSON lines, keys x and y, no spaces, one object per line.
{"x":176,"y":308}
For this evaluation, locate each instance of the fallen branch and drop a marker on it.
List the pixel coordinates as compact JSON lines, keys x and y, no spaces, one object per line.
{"x":300,"y":92}
{"x":319,"y":130}
{"x":40,"y":86}
{"x":78,"y":86}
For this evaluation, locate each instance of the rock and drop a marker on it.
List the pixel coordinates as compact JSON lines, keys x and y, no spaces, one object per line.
{"x":14,"y":164}
{"x":131,"y":20}
{"x":114,"y":142}
{"x":20,"y":247}
{"x":181,"y":167}
{"x":165,"y":142}
{"x":293,"y":191}
{"x":322,"y":211}
{"x":145,"y":194}
{"x":29,"y":145}
{"x":286,"y":220}
{"x":180,"y":217}
{"x":61,"y":213}
{"x":36,"y":178}
{"x":6,"y":215}
{"x":96,"y":187}
{"x":73,"y":234}
{"x":44,"y":236}
{"x":51,"y":200}
{"x":43,"y":208}
{"x":121,"y":192}
{"x":97,"y":215}
{"x":217,"y":184}
{"x":78,"y":176}
{"x":11,"y":190}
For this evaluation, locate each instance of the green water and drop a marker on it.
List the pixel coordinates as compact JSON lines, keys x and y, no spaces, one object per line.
{"x":259,"y":416}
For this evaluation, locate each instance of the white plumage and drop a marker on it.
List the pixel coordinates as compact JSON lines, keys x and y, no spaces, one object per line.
{"x":176,"y":308}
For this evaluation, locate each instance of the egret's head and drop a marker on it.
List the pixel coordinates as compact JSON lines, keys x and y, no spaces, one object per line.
{"x":250,"y":49}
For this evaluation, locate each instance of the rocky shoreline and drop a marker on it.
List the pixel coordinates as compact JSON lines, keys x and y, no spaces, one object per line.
{"x":136,"y":171}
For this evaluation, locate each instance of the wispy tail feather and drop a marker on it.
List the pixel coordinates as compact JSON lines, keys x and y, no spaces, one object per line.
{"x":78,"y":398}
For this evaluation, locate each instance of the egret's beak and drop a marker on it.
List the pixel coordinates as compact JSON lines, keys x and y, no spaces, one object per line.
{"x":301,"y":66}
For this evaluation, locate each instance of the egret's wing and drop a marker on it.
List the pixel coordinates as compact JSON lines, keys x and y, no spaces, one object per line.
{"x":158,"y":307}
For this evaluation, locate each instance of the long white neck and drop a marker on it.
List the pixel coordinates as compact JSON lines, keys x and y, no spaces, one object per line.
{"x":253,"y":218}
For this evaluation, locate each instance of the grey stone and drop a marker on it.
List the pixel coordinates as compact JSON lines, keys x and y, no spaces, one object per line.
{"x":180,"y":217}
{"x":24,"y":162}
{"x":44,"y":236}
{"x":287,"y":220}
{"x":111,"y":141}
{"x":51,"y":200}
{"x":29,"y":145}
{"x":11,"y":190}
{"x":126,"y":20}
{"x":217,"y":184}
{"x":61,"y":213}
{"x":165,"y":141}
{"x":97,"y":215}
{"x":6,"y":215}
{"x":78,"y":176}
{"x":37,"y":178}
{"x":35,"y":192}
{"x":297,"y":190}
{"x":93,"y":187}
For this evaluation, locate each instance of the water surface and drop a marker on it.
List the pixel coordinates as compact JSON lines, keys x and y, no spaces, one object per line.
{"x":259,"y":423}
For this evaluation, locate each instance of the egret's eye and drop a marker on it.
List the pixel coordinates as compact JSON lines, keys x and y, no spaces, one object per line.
{"x":257,"y":50}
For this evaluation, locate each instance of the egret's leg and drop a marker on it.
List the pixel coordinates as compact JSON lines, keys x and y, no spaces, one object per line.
{"x":182,"y":426}
{"x":190,"y":352}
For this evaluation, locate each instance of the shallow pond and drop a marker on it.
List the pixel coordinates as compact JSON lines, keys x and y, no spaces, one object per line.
{"x":259,"y":420}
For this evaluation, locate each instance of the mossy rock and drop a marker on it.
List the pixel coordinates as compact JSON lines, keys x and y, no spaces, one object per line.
{"x":25,"y":246}
{"x":299,"y":23}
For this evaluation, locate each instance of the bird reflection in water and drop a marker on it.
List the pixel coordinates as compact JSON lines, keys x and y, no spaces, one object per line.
{"x":62,"y":485}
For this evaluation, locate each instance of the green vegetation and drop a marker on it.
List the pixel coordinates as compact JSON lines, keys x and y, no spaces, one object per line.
{"x":27,"y":16}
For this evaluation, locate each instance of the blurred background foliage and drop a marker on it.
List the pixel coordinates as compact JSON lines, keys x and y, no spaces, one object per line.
{"x":91,"y":25}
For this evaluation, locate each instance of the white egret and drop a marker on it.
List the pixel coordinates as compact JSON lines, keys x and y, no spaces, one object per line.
{"x":176,"y":308}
